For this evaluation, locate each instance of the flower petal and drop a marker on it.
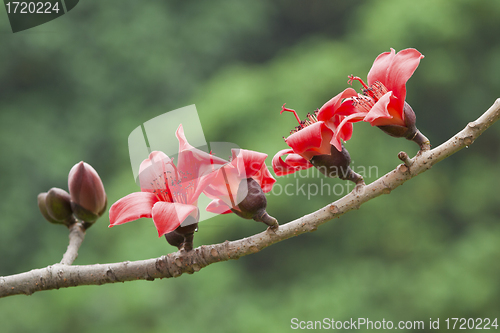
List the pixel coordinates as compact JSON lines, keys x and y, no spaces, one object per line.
{"x":341,"y":131}
{"x":346,"y":108}
{"x":153,"y":171}
{"x":292,"y":163}
{"x":217,"y":206}
{"x":193,"y":162}
{"x":328,"y":110}
{"x":168,"y":216}
{"x":393,"y":70}
{"x":224,"y":185}
{"x":247,"y":162}
{"x":379,"y":109}
{"x":132,"y":207}
{"x":345,"y":132}
{"x":251,"y":164}
{"x":385,"y":112}
{"x":265,"y":179}
{"x":196,"y":168}
{"x":311,"y":141}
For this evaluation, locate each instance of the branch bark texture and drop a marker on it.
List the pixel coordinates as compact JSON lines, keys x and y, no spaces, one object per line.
{"x":175,"y":264}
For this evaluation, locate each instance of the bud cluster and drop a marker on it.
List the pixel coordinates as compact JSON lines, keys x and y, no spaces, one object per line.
{"x":86,"y":200}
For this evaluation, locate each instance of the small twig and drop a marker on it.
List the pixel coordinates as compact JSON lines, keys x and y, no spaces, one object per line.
{"x":406,"y":160}
{"x":76,"y":236}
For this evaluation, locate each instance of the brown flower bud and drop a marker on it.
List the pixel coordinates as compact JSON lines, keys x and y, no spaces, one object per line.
{"x":252,"y":203}
{"x":58,"y":205}
{"x":43,"y":209}
{"x":88,"y":198}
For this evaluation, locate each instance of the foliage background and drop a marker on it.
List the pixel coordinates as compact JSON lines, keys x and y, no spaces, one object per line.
{"x":73,"y":89}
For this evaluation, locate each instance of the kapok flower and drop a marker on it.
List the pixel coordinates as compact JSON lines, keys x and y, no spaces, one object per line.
{"x":316,"y":142}
{"x":383,"y":101}
{"x":239,"y":187}
{"x":169,"y":193}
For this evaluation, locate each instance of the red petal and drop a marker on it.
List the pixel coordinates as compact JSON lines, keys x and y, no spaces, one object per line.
{"x":247,"y":162}
{"x":379,"y":110}
{"x":196,"y":167}
{"x":292,"y":163}
{"x":252,"y":164}
{"x":385,"y":112}
{"x":328,"y":110}
{"x":224,"y":185}
{"x":346,"y":108}
{"x":311,"y":141}
{"x":265,"y":179}
{"x":132,"y":207}
{"x":218,"y":206}
{"x":153,"y":170}
{"x":345,"y":131}
{"x":393,"y":70}
{"x":192,"y":162}
{"x":168,"y":216}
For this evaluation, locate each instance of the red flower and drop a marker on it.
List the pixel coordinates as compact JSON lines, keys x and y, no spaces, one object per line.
{"x":315,"y":135}
{"x":225,"y":188}
{"x":383,"y":102}
{"x":169,"y":193}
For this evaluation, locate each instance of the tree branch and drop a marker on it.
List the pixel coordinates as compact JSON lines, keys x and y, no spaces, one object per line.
{"x":175,"y":264}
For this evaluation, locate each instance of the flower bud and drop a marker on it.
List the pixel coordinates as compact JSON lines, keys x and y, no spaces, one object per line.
{"x":252,"y":203}
{"x":43,"y":209}
{"x":336,"y":165}
{"x":88,"y":198}
{"x":58,"y":205}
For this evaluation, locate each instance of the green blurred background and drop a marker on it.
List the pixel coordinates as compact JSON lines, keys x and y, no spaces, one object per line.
{"x":73,"y":89}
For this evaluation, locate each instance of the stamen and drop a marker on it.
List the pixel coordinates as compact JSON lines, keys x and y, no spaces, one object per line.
{"x":167,"y":189}
{"x":378,"y":90}
{"x":363,"y":103}
{"x":312,"y":118}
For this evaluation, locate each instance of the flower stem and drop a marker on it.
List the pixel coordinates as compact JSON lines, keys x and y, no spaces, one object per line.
{"x":422,"y":141}
{"x":269,"y":220}
{"x":76,"y":236}
{"x":352,"y":176}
